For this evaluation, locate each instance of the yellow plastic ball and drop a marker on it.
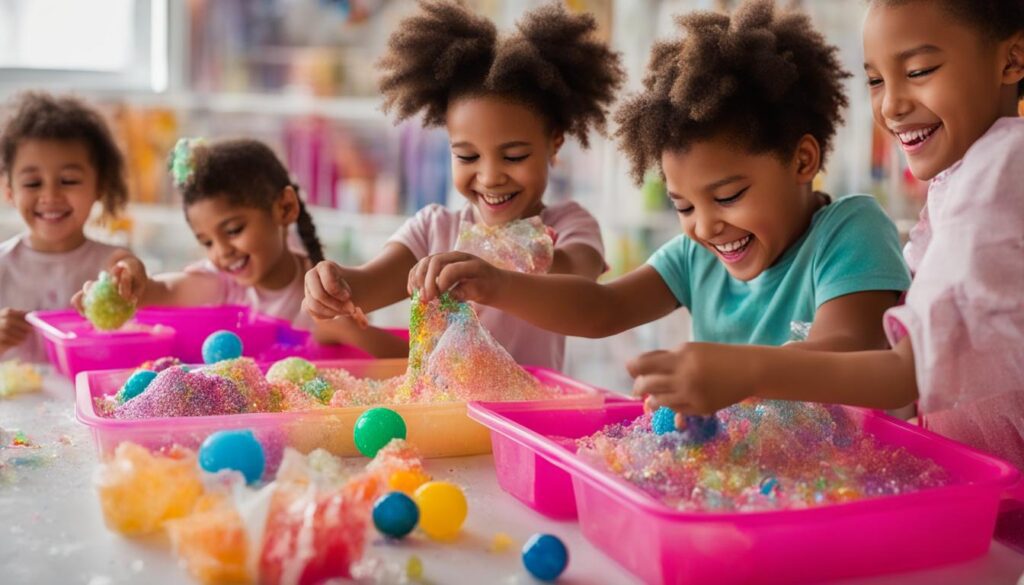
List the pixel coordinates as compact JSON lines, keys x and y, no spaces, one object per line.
{"x":442,"y":509}
{"x":407,"y":481}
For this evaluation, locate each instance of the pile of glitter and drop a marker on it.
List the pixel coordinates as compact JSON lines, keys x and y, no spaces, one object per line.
{"x":19,"y":378}
{"x":767,"y":455}
{"x":523,"y":245}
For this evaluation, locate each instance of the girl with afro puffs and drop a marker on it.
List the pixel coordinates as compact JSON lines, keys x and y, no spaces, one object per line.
{"x":508,"y":104}
{"x":739,"y":113}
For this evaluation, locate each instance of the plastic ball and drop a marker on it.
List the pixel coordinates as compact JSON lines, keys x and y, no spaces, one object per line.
{"x":135,"y":385}
{"x":221,"y":345}
{"x":294,"y":369}
{"x":443,"y":509}
{"x":407,"y":480}
{"x":395,"y":514}
{"x":375,"y":428}
{"x":237,"y":450}
{"x":545,"y":556}
{"x":104,"y":307}
{"x":663,"y":421}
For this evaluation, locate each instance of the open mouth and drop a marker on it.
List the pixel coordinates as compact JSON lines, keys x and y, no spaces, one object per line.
{"x":237,"y":266}
{"x":735,"y":250}
{"x":497,"y":200}
{"x":915,"y":139}
{"x":52,"y":216}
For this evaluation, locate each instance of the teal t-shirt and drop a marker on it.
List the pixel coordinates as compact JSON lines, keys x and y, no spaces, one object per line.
{"x":851,"y":246}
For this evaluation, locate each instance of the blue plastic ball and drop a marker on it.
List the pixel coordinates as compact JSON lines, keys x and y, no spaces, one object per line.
{"x":395,"y":514}
{"x":136,"y":384}
{"x":545,"y":556}
{"x":237,"y":450}
{"x":663,"y":421}
{"x":220,"y":346}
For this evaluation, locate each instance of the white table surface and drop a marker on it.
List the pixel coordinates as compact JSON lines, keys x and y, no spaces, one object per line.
{"x":51,"y":530}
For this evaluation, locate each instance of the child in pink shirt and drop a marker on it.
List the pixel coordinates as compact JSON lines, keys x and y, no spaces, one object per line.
{"x":507,"y":104}
{"x":58,"y":159}
{"x":240,"y":204}
{"x":945,"y":77}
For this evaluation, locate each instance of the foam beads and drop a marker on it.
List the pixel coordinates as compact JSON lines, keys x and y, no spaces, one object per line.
{"x":237,"y":450}
{"x":139,"y":490}
{"x":375,"y":428}
{"x":663,"y":421}
{"x":212,"y":542}
{"x":395,"y":514}
{"x":135,"y":385}
{"x":104,"y":307}
{"x":221,"y":345}
{"x":293,"y":369}
{"x":545,"y":556}
{"x":443,"y":509}
{"x":319,"y":388}
{"x":177,"y":392}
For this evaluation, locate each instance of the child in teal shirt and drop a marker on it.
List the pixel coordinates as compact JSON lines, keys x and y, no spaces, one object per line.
{"x":739,"y":113}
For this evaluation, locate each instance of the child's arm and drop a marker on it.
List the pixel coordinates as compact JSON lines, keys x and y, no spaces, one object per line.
{"x":176,"y":289}
{"x":567,"y":304}
{"x":13,"y":328}
{"x":333,"y":290}
{"x":579,"y":259}
{"x":374,"y":341}
{"x":700,"y":378}
{"x":850,"y":323}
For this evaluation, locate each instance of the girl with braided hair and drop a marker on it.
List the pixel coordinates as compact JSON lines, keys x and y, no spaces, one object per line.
{"x":508,"y":103}
{"x":240,"y":203}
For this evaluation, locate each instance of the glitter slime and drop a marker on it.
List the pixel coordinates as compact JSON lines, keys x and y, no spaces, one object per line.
{"x":104,"y":307}
{"x":522,"y":245}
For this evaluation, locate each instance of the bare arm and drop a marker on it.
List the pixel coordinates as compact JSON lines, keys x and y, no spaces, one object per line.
{"x":850,"y":323}
{"x":579,"y":259}
{"x":374,"y":341}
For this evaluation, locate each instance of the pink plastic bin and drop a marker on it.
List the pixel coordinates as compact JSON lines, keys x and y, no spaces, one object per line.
{"x":661,"y":545}
{"x":437,"y":429}
{"x":73,"y":345}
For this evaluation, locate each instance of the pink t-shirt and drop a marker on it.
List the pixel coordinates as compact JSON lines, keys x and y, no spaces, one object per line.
{"x":435,"y":229}
{"x":284,"y":303}
{"x":964,"y":312}
{"x":31,"y":280}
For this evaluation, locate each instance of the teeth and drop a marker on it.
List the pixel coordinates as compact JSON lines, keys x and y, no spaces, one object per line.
{"x":914,"y":136}
{"x":496,"y":199}
{"x":733,"y":246}
{"x":237,"y":265}
{"x":52,"y":214}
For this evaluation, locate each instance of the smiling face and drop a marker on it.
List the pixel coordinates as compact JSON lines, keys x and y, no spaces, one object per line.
{"x":247,"y":243}
{"x":53,"y":184}
{"x":936,"y":84}
{"x":501,"y":151}
{"x":747,"y":209}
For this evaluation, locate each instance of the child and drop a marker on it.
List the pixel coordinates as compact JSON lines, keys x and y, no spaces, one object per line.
{"x":57,"y":158}
{"x":240,"y":202}
{"x":739,"y":112}
{"x":507,"y":105}
{"x":945,"y":77}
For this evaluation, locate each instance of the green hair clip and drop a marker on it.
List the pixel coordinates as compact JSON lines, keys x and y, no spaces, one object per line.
{"x":181,"y":160}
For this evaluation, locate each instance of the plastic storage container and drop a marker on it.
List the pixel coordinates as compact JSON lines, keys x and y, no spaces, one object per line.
{"x":661,"y":545}
{"x":437,"y":429}
{"x":73,"y":345}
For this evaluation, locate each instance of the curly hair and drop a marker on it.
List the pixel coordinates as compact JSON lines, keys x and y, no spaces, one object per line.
{"x":551,"y":63}
{"x":249,"y":174}
{"x":994,"y":19}
{"x":40,"y":116}
{"x":762,"y":78}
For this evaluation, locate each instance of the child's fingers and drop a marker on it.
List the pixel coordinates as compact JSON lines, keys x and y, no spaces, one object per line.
{"x":320,"y":311}
{"x":321,"y":298}
{"x":360,"y":318}
{"x":416,"y":275}
{"x":653,"y":385}
{"x":430,"y":288}
{"x":454,"y":273}
{"x":658,"y":361}
{"x":77,"y":301}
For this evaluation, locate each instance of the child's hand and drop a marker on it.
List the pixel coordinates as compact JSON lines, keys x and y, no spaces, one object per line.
{"x":476,"y":279}
{"x":128,"y":273}
{"x":328,"y":295}
{"x":13,"y":328}
{"x":696,"y":378}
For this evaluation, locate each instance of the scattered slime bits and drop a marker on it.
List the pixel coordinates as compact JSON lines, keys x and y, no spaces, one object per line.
{"x":759,"y":455}
{"x":135,"y":385}
{"x":221,"y":345}
{"x":293,"y":369}
{"x":236,"y":450}
{"x":19,"y":378}
{"x":443,"y":509}
{"x":104,"y":307}
{"x":522,"y":245}
{"x":545,"y":556}
{"x":139,"y":490}
{"x":212,"y":541}
{"x":395,"y":514}
{"x":500,"y":543}
{"x":375,"y":428}
{"x":414,"y":568}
